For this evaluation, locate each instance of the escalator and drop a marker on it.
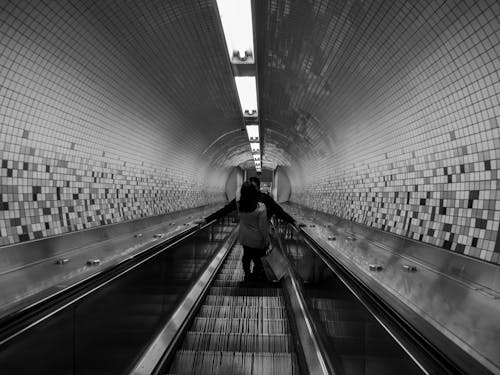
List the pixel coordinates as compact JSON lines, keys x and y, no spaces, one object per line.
{"x":353,"y":336}
{"x":241,"y":328}
{"x":184,"y":309}
{"x":101,"y":325}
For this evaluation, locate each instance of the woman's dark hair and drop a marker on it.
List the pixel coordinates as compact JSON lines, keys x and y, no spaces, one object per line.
{"x":249,"y":197}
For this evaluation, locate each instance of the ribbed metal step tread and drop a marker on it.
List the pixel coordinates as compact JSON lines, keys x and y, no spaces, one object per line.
{"x":238,"y":342}
{"x":241,"y":328}
{"x":211,"y":311}
{"x":330,"y":303}
{"x":218,"y":362}
{"x":342,"y":315}
{"x":362,"y":346}
{"x":367,"y":364}
{"x":218,"y":300}
{"x":243,"y":325}
{"x":244,"y":291}
{"x":237,"y":283}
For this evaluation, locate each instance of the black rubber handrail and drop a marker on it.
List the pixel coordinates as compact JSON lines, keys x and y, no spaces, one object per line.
{"x":429,"y":357}
{"x":13,"y":324}
{"x":310,"y":348}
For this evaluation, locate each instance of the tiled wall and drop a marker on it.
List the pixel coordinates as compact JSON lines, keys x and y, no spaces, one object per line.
{"x":420,"y":157}
{"x":86,"y":139}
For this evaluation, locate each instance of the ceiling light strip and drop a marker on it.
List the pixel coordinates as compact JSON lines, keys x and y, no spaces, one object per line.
{"x":237,"y":19}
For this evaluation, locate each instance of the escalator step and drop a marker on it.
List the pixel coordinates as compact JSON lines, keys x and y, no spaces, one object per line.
{"x":241,"y":328}
{"x":267,"y":326}
{"x":243,"y":291}
{"x":211,"y":311}
{"x":370,"y":330}
{"x":200,"y":341}
{"x":241,"y":363}
{"x":342,"y":315}
{"x":238,"y":284}
{"x":332,"y":304}
{"x":244,"y":301}
{"x":376,"y":365}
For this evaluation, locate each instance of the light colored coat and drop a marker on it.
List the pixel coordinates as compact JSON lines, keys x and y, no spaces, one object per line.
{"x":254,"y":228}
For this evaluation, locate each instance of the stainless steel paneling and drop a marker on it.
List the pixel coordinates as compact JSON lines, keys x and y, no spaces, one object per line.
{"x":479,"y":273}
{"x":34,"y":270}
{"x":463,"y":305}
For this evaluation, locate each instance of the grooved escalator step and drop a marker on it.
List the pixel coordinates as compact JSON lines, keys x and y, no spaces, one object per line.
{"x":368,"y":329}
{"x":241,"y":363}
{"x":332,"y":304}
{"x":342,"y":315}
{"x":238,"y":342}
{"x":240,"y":284}
{"x":211,"y":311}
{"x":244,"y":291}
{"x":362,"y":346}
{"x":251,"y":326}
{"x":361,"y":365}
{"x":219,"y":300}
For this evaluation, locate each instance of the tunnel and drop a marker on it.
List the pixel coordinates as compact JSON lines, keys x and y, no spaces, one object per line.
{"x":378,"y":132}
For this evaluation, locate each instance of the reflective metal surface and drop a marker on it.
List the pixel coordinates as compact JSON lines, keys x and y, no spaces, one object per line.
{"x":480,"y":274}
{"x":105,"y":331}
{"x":38,"y":268}
{"x":355,"y":341}
{"x":164,"y":341}
{"x":26,"y":254}
{"x":461,"y":304}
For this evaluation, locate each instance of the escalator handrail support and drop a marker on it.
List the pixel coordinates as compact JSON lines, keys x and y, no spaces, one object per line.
{"x":386,"y":315}
{"x":43,"y":309}
{"x":163,"y":346}
{"x":316,"y":359}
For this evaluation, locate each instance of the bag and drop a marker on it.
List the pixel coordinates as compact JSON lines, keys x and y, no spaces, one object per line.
{"x":274,"y":265}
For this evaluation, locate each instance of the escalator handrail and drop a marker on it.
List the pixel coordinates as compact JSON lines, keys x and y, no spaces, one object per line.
{"x":161,"y":349}
{"x":12,"y":325}
{"x":314,"y":356}
{"x":404,"y":333}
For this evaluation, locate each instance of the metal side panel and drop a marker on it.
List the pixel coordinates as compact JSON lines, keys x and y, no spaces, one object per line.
{"x":313,"y":354}
{"x":166,"y":340}
{"x":431,"y":302}
{"x":477,"y":272}
{"x":13,"y":257}
{"x":315,"y":362}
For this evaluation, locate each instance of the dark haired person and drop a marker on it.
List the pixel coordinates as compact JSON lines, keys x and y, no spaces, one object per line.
{"x":253,"y":231}
{"x":272,"y":207}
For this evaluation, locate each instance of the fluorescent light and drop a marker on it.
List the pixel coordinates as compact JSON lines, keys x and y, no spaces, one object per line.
{"x":255,"y":146}
{"x":253,"y":133}
{"x":236,"y":18}
{"x":247,"y":92}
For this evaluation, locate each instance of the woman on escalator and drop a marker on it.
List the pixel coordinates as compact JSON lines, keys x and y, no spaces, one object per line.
{"x":253,"y":232}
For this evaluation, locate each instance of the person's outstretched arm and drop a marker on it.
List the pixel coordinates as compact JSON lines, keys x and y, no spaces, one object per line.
{"x":276,"y":209}
{"x":228,"y":208}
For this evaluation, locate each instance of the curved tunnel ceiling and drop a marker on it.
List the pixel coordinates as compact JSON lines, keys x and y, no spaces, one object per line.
{"x":332,"y":74}
{"x":328,"y":71}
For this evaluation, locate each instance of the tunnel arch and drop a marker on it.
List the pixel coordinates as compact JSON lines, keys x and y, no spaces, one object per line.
{"x":379,"y":112}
